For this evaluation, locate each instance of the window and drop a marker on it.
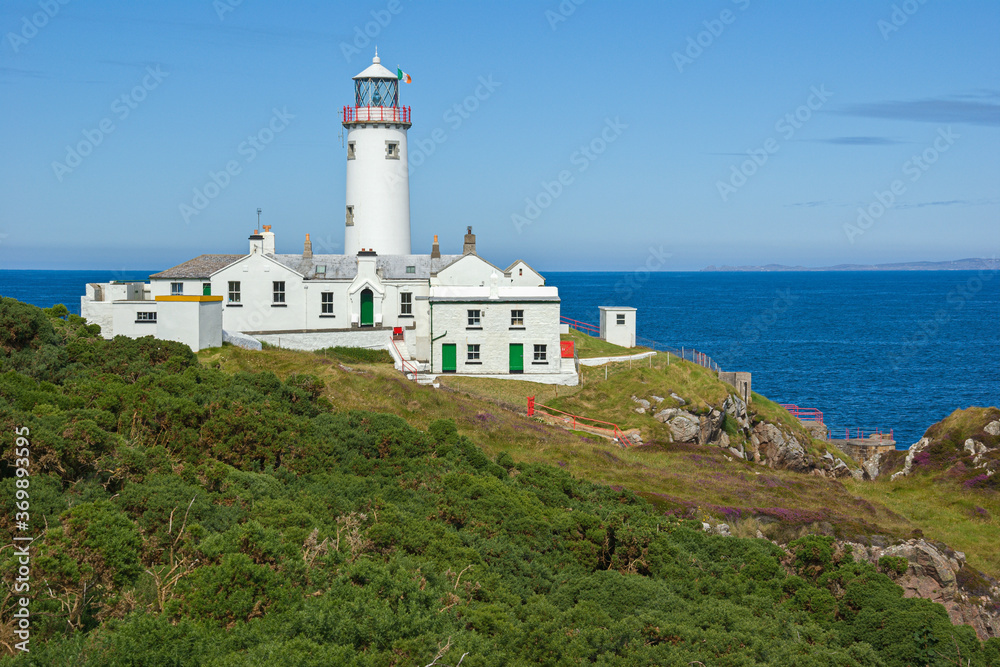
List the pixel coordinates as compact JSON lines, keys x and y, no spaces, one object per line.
{"x":517,"y":318}
{"x":326,"y":303}
{"x":540,"y":354}
{"x":206,"y":289}
{"x":145,"y":317}
{"x":321,"y":269}
{"x":234,"y":291}
{"x":392,"y":150}
{"x":405,"y":303}
{"x":520,"y":272}
{"x":473,"y":356}
{"x":176,"y":289}
{"x":620,"y":318}
{"x":350,"y":150}
{"x":350,"y":216}
{"x":474,"y":318}
{"x":411,"y":269}
{"x":279,"y":291}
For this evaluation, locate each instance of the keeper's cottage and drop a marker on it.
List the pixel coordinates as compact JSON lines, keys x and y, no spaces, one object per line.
{"x":435,"y":313}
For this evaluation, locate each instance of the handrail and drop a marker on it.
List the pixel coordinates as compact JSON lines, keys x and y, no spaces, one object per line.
{"x":578,"y":325}
{"x":803,"y":414}
{"x":615,"y":429}
{"x":383,"y":114}
{"x":402,"y":362}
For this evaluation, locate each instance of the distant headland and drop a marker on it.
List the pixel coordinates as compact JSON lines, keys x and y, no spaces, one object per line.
{"x":970,"y":264}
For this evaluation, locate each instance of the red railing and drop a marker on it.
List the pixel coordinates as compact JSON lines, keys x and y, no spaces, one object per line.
{"x":803,"y":414}
{"x":870,"y":434}
{"x":402,"y":362}
{"x":580,"y":326}
{"x":376,"y":114}
{"x":615,"y":431}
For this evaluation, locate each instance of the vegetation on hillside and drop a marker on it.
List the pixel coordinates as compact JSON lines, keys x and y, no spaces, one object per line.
{"x":185,"y":513}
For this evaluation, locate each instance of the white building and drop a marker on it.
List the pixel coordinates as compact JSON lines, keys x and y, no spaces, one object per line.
{"x":435,"y":313}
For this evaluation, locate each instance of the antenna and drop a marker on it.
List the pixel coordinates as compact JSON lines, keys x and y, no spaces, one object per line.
{"x":341,"y":137}
{"x":258,"y":218}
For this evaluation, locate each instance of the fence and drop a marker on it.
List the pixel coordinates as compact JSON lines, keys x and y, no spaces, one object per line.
{"x":685,"y":353}
{"x":803,"y":414}
{"x":615,"y":432}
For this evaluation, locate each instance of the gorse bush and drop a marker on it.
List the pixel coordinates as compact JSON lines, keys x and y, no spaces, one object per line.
{"x":186,"y":516}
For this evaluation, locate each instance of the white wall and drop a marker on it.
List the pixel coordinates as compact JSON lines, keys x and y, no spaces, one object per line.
{"x":470,"y":270}
{"x":197,"y":324}
{"x":379,"y":190}
{"x":618,"y":334}
{"x":541,"y":326}
{"x":125,"y":322}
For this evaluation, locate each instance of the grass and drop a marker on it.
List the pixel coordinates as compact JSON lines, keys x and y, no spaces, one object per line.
{"x":691,"y":480}
{"x":588,"y":347}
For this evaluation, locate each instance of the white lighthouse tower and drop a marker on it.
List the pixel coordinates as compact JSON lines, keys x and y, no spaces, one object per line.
{"x":378,"y":184}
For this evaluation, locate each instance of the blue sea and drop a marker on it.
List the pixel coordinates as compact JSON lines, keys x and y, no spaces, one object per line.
{"x":891,"y":350}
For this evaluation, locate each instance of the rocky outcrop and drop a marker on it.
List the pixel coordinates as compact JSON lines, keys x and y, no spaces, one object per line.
{"x":915,"y":448}
{"x":871,"y":466}
{"x":941,"y":575}
{"x":993,"y":428}
{"x":695,"y":429}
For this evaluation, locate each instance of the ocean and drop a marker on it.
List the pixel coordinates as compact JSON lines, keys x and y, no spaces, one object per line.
{"x":893,"y":350}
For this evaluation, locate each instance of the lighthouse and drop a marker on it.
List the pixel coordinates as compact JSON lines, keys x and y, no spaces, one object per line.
{"x":377,"y":217}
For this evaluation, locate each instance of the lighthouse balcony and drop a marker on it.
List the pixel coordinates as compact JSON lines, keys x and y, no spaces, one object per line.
{"x":399,"y":115}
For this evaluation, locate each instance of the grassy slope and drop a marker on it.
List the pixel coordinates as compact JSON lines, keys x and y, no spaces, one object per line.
{"x":588,"y":347}
{"x":937,"y":498}
{"x":684,"y":479}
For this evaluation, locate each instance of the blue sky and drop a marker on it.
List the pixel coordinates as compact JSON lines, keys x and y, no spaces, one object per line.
{"x":685,"y":134}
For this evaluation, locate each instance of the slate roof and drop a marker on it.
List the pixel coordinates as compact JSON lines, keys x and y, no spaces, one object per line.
{"x":201,"y":266}
{"x":345,"y":267}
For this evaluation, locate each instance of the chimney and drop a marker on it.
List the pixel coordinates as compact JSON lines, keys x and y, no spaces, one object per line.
{"x":256,"y":242}
{"x":307,"y":251}
{"x":470,"y":243}
{"x":435,"y":249}
{"x":268,"y":240}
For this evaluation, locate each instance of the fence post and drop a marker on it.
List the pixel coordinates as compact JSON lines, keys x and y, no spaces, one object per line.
{"x":531,"y":406}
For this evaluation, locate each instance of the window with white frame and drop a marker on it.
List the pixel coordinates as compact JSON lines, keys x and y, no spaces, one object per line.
{"x":475,"y":318}
{"x":176,"y":289}
{"x":620,"y":318}
{"x":517,"y":318}
{"x":473,"y":353}
{"x":540,"y":353}
{"x":278,"y":289}
{"x":326,"y":303}
{"x":405,"y":303}
{"x":411,"y":269}
{"x":391,"y":150}
{"x":145,"y":317}
{"x":234,"y":291}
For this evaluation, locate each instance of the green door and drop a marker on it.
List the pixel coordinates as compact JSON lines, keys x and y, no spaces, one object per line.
{"x":367,"y":308}
{"x":448,"y":357}
{"x":206,"y":289}
{"x":516,"y":358}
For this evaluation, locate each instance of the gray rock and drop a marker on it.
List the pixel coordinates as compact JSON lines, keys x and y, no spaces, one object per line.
{"x":684,"y":428}
{"x":658,"y":399}
{"x":970,"y":446}
{"x":760,"y":535}
{"x":724,"y":440}
{"x":993,"y":428}
{"x":665,"y":415}
{"x":871,"y":466}
{"x":915,"y":448}
{"x":706,"y":526}
{"x":678,"y":398}
{"x":829,"y":457}
{"x":641,"y":410}
{"x":737,"y":453}
{"x":722,"y":529}
{"x":737,"y":409}
{"x":641,"y":401}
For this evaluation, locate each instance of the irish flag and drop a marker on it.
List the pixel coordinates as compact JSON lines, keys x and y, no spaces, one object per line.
{"x":403,"y":76}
